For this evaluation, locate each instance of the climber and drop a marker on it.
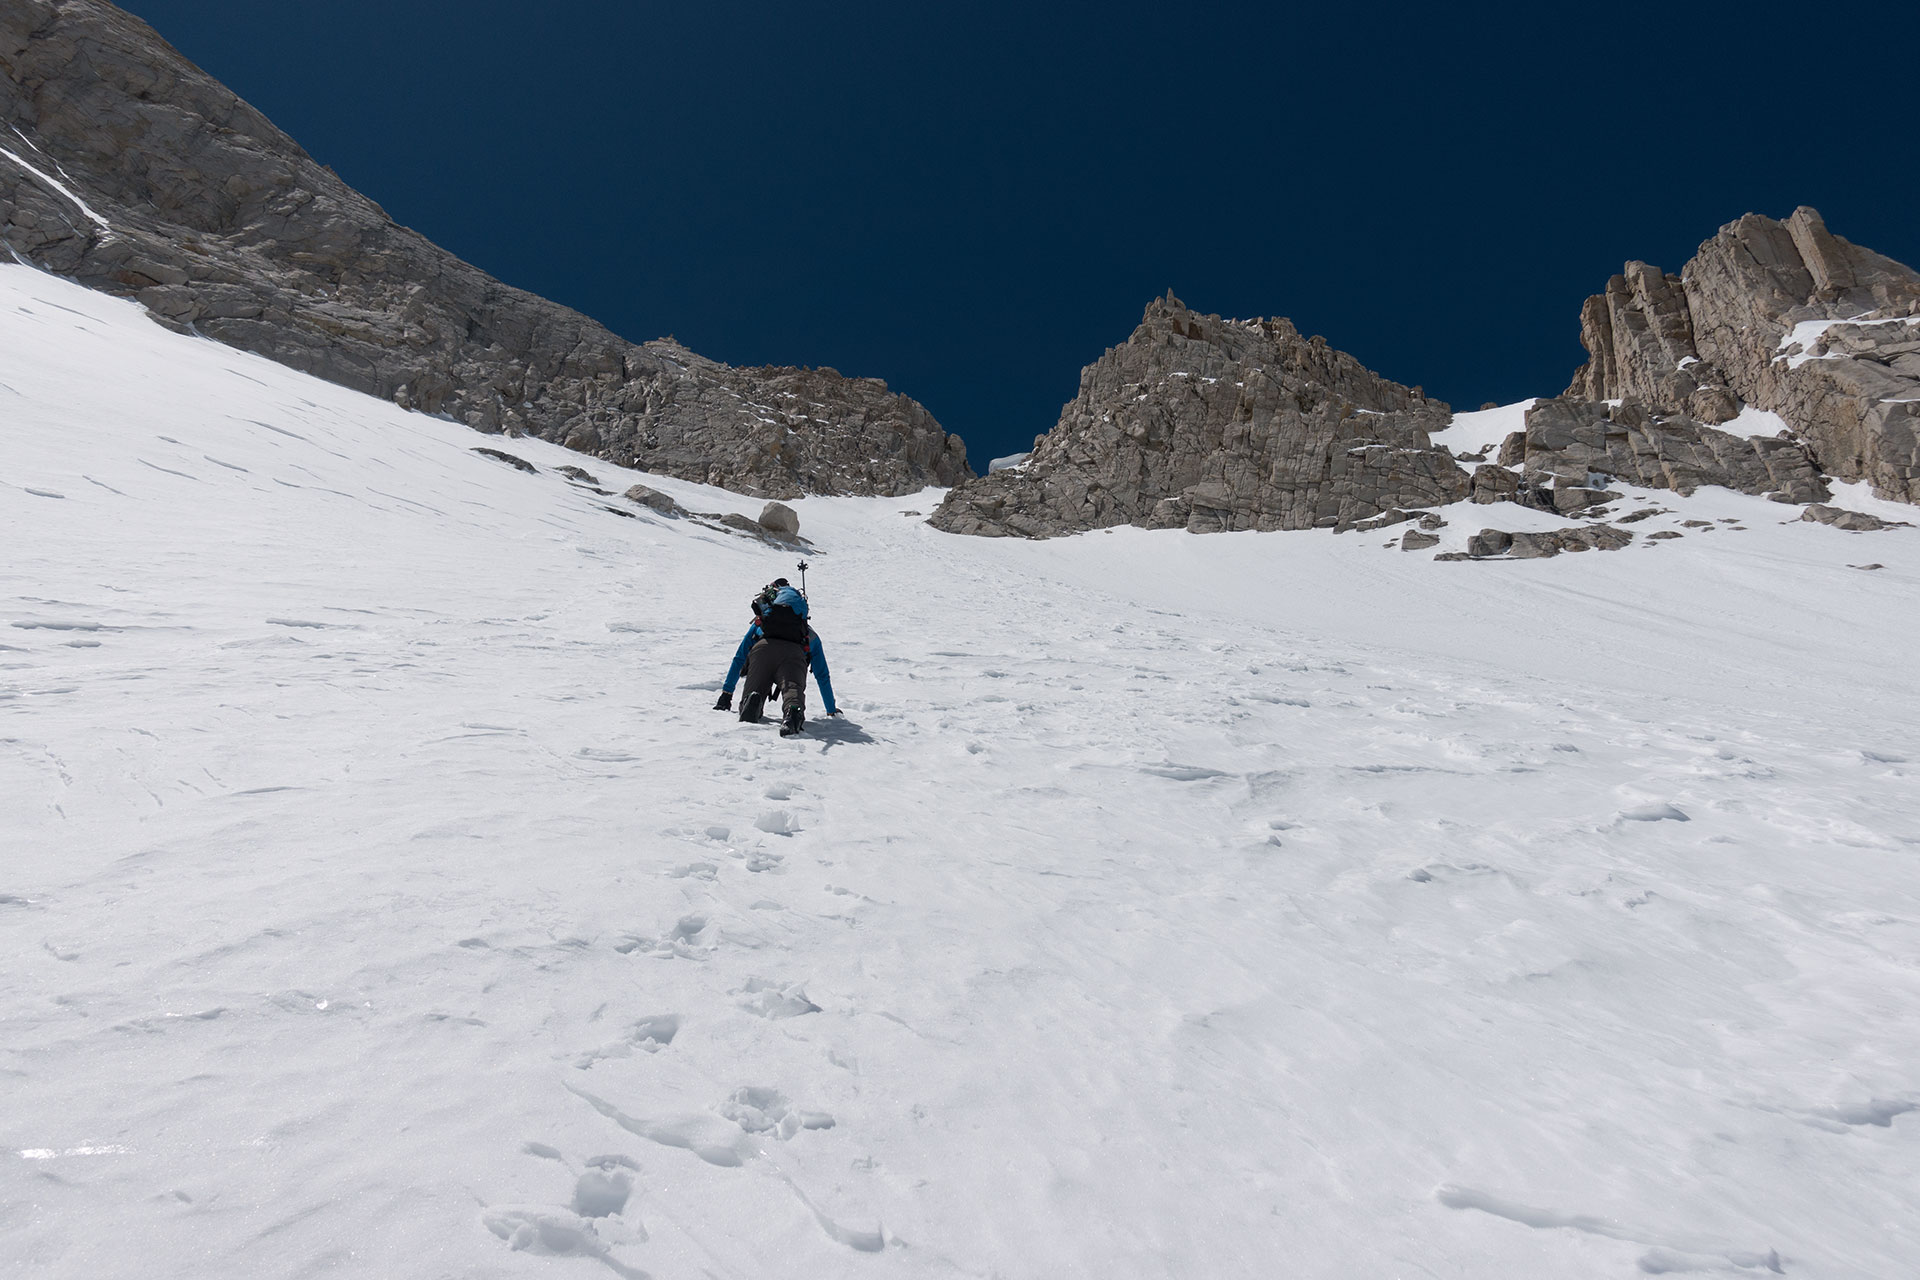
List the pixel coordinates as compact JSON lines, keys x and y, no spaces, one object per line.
{"x":777,"y":651}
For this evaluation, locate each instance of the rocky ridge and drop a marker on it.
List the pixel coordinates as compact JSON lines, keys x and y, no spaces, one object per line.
{"x":129,"y":169}
{"x":1207,"y":424}
{"x":1210,"y":424}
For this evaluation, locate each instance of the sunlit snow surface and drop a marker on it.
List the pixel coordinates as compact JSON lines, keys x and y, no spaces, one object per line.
{"x":380,"y":896}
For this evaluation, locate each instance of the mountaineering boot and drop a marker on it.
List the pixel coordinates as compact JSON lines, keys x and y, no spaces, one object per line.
{"x":791,"y":725}
{"x":750,"y":707}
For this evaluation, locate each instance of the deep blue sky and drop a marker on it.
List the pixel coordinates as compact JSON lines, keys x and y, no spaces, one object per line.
{"x":974,"y":200}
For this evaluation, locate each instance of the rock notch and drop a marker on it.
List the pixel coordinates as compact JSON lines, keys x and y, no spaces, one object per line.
{"x":127,"y":168}
{"x":1207,"y":424}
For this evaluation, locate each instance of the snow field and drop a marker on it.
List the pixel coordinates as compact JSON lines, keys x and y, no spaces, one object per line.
{"x":380,"y":897}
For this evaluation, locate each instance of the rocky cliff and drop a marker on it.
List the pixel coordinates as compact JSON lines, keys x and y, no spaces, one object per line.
{"x":1786,"y":317}
{"x":127,"y":168}
{"x":1207,"y":424}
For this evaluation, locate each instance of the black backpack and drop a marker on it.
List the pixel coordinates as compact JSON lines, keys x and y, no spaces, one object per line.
{"x":778,"y":621}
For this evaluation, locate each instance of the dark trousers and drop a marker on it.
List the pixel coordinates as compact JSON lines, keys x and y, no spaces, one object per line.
{"x":782,"y":663}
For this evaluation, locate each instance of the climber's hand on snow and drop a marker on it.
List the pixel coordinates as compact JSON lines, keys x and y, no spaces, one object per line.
{"x":726,"y":701}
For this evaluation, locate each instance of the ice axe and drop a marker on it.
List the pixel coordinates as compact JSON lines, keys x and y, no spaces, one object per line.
{"x":803,"y":579}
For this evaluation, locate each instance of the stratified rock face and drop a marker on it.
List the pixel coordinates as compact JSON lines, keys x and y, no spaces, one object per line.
{"x":1568,"y":442}
{"x":1784,"y":316}
{"x":132,"y":171}
{"x":1207,"y":424}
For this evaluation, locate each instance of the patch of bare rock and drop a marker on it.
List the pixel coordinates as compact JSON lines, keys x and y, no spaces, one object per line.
{"x":1498,"y":543}
{"x":132,"y":171}
{"x":1853,"y":521}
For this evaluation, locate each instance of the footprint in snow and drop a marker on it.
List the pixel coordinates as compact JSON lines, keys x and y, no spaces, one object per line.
{"x":694,"y":937}
{"x":696,"y":871}
{"x":648,"y":1035}
{"x":710,"y":1139}
{"x":775,"y":1000}
{"x":604,"y":1188}
{"x":596,"y":1220}
{"x":768,"y":1111}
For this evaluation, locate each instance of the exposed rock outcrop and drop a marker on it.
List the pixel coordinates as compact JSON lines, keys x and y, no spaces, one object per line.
{"x":1784,"y":316}
{"x":1207,"y":424}
{"x":778,"y":525}
{"x":1852,"y":521}
{"x":1570,"y":443}
{"x":1538,"y":545}
{"x":654,"y":500}
{"x":129,"y":169}
{"x":780,"y":519}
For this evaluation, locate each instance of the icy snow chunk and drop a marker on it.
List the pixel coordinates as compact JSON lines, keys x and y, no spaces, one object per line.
{"x":1653,"y":813}
{"x":776,"y":822}
{"x":1184,"y":772}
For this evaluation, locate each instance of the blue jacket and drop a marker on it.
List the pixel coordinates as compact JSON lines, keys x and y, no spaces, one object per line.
{"x":817,"y":659}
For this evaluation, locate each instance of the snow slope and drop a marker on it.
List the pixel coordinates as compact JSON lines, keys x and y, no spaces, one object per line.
{"x":379,"y":895}
{"x":1481,"y":431}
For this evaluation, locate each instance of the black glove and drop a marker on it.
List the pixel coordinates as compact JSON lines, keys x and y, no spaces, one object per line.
{"x":726,"y":701}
